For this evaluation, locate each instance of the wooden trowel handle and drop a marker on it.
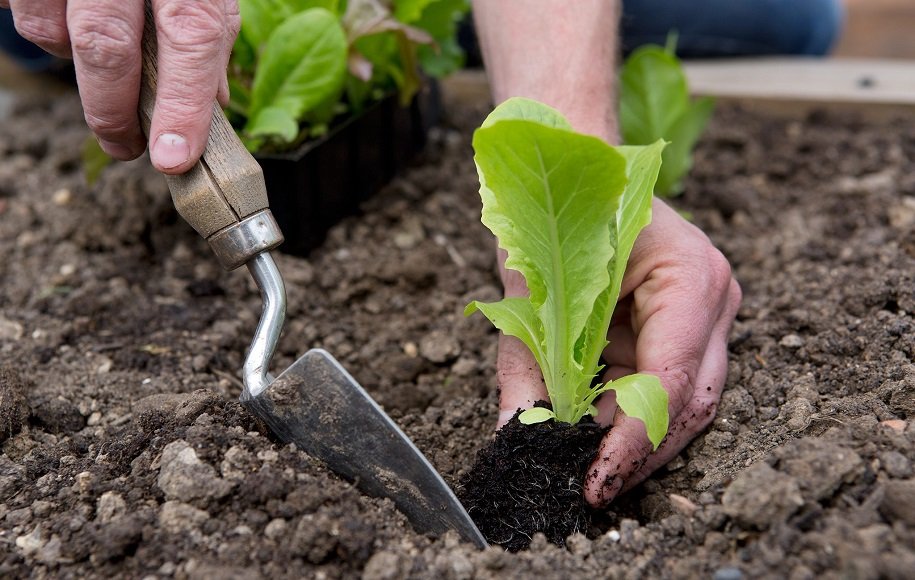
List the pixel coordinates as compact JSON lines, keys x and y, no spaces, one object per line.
{"x":225,"y":188}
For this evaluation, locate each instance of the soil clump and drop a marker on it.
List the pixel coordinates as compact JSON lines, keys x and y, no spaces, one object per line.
{"x":529,"y":479}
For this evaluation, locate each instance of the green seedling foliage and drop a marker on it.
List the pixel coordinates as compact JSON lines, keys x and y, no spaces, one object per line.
{"x":567,"y":209}
{"x":655,"y":104}
{"x":94,"y":159}
{"x":290,"y":75}
{"x":303,"y":64}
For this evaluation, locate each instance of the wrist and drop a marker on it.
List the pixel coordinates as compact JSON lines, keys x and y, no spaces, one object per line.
{"x":566,"y":60}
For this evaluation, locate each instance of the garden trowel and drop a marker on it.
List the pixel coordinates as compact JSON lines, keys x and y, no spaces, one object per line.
{"x":314,"y":403}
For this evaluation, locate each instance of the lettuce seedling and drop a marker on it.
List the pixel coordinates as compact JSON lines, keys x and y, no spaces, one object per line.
{"x":567,"y":208}
{"x":297,"y":64}
{"x":655,"y":104}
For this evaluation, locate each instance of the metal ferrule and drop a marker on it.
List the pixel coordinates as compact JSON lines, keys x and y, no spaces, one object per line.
{"x":237,"y":244}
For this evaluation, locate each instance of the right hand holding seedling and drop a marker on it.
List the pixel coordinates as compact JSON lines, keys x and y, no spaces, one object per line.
{"x":678,"y":302}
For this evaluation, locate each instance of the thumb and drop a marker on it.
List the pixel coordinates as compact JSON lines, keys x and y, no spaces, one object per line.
{"x":192,"y":63}
{"x":520,"y":380}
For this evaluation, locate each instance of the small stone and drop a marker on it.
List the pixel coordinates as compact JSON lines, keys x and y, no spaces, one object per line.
{"x":386,"y":565}
{"x":19,"y":517}
{"x":464,"y":366}
{"x":182,"y":476}
{"x":579,"y":545}
{"x":10,"y":330}
{"x":83,"y":482}
{"x":94,"y":419}
{"x":177,"y":517}
{"x":186,"y":407}
{"x":899,"y":501}
{"x":42,"y":508}
{"x":237,"y":463}
{"x":104,"y":367}
{"x":50,"y":552}
{"x":30,"y":543}
{"x":761,"y":496}
{"x":683,"y":505}
{"x":720,"y":440}
{"x":798,"y":412}
{"x":439,"y":347}
{"x":613,"y":536}
{"x":276,"y":529}
{"x":820,"y":467}
{"x":897,"y":425}
{"x":62,"y":196}
{"x":410,"y":349}
{"x":729,"y":573}
{"x":268,"y":456}
{"x":67,"y":270}
{"x":896,"y":464}
{"x":110,"y":506}
{"x":791,"y":341}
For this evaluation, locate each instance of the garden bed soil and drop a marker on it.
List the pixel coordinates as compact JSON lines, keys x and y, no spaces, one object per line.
{"x":125,"y":453}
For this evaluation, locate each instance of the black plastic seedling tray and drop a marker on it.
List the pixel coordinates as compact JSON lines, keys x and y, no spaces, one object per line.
{"x":323,"y":181}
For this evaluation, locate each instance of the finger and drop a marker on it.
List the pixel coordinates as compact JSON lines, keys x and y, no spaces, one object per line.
{"x":622,"y":452}
{"x":43,"y":23}
{"x":106,"y":37}
{"x":191,"y":60}
{"x":701,"y":410}
{"x":233,"y":25}
{"x":520,"y":378}
{"x":606,"y":408}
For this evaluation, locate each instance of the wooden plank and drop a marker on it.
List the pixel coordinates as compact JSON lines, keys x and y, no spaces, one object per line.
{"x":862,"y":81}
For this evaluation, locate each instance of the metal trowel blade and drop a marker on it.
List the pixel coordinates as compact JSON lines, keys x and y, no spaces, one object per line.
{"x":318,"y":406}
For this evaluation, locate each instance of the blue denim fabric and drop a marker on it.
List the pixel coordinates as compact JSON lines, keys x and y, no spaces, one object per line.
{"x":722,"y":28}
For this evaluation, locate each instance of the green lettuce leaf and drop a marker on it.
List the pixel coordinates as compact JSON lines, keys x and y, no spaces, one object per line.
{"x":642,"y":396}
{"x":567,"y":208}
{"x":655,"y":104}
{"x":303,"y":65}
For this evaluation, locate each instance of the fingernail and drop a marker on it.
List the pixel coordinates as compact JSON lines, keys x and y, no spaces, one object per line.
{"x":116,"y":150}
{"x":170,"y":150}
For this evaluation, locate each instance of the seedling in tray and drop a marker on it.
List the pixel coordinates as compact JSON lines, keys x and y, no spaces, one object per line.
{"x":567,"y":208}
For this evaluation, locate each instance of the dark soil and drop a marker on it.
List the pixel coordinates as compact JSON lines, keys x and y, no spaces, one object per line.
{"x":529,"y":480}
{"x":121,"y":341}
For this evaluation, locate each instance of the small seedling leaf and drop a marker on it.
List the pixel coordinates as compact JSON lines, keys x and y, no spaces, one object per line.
{"x":535,"y":415}
{"x":643,"y":397}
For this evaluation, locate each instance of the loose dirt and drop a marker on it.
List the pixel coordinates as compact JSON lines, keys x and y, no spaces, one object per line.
{"x":124,"y":453}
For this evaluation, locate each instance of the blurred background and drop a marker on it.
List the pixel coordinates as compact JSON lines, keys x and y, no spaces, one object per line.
{"x":878,"y":29}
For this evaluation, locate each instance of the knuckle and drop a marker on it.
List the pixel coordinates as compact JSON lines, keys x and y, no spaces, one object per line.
{"x":678,"y":384}
{"x":185,"y":104}
{"x":719,"y":268}
{"x":735,"y":294}
{"x":103,"y":42}
{"x":46,"y":33}
{"x":193,"y":26}
{"x":108,"y":126}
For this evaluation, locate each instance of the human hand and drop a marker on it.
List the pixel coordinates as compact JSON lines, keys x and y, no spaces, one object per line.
{"x":104,"y":37}
{"x":678,"y":303}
